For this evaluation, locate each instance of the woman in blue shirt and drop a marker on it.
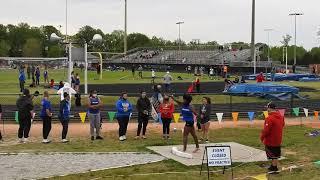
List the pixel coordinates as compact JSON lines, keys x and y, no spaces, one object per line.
{"x":187,"y":111}
{"x":124,"y":109}
{"x":46,"y":115}
{"x":94,"y":105}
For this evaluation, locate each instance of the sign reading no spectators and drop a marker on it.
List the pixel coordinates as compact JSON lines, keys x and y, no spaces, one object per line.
{"x":219,"y":156}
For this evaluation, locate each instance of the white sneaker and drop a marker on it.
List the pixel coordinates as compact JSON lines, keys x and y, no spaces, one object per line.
{"x":20,"y":140}
{"x":124,"y":137}
{"x":121,"y":138}
{"x":64,"y":141}
{"x":25,"y":140}
{"x":46,"y":141}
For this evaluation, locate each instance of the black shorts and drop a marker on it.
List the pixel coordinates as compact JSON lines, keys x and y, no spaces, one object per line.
{"x":190,"y":124}
{"x":204,"y":121}
{"x":273,"y":152}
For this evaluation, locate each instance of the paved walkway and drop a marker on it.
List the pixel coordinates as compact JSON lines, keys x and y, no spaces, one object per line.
{"x":32,"y":166}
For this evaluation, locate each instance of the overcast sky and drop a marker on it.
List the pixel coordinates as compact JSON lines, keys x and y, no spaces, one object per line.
{"x":220,"y":20}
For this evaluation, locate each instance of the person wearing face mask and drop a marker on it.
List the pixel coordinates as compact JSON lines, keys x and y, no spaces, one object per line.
{"x":124,"y":109}
{"x":94,"y":104}
{"x":166,"y":110}
{"x":25,"y":107}
{"x":64,"y":113}
{"x":144,"y":109}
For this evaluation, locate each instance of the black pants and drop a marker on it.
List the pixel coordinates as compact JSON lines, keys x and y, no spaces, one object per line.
{"x":65,"y":125}
{"x":37,"y":81}
{"x":140,"y":75}
{"x":46,"y":126}
{"x":198,"y":88}
{"x":123,"y":125}
{"x":21,"y":83}
{"x":24,"y":127}
{"x":142,"y":122}
{"x":198,"y":125}
{"x":166,"y":125}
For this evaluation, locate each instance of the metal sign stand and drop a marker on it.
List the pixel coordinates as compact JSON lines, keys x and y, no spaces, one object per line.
{"x":205,"y":153}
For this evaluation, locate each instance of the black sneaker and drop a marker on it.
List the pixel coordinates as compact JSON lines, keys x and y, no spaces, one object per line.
{"x":99,"y":138}
{"x":92,"y":138}
{"x":273,"y":169}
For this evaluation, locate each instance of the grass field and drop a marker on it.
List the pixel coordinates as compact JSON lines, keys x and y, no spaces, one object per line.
{"x":297,"y":149}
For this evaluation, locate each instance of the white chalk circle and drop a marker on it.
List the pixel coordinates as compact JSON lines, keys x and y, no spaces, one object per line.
{"x":176,"y":152}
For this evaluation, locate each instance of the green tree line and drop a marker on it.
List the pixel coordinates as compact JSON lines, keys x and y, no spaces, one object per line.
{"x":23,"y":40}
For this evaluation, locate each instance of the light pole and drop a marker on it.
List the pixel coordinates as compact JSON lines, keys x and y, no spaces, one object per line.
{"x":268,"y":34}
{"x":125,"y":27}
{"x":179,"y":24}
{"x":66,"y":21}
{"x":295,"y":35}
{"x":253,"y":49}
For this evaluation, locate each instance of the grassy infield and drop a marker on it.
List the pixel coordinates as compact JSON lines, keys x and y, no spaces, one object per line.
{"x":297,"y":148}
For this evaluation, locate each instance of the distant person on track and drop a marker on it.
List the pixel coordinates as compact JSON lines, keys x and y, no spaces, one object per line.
{"x":187,"y":111}
{"x":260,"y":78}
{"x":64,"y":116}
{"x":46,"y":116}
{"x":124,"y":109}
{"x":25,"y":107}
{"x":22,"y":79}
{"x":167,"y":79}
{"x":271,"y":136}
{"x":205,"y":112}
{"x":94,"y":105}
{"x":37,"y":76}
{"x":197,"y":85}
{"x":144,"y":111}
{"x":166,"y":110}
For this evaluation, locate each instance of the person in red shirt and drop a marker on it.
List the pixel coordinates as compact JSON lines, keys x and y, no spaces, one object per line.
{"x":271,"y":136}
{"x":166,"y":110}
{"x":260,"y":78}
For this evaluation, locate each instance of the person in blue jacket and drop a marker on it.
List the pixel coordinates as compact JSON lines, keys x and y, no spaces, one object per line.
{"x":124,"y":109}
{"x":64,"y":113}
{"x":22,"y":79}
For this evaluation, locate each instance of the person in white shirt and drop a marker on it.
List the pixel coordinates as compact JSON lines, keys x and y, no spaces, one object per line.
{"x":153,"y":75}
{"x":167,"y":79}
{"x":211,"y":73}
{"x":68,"y":89}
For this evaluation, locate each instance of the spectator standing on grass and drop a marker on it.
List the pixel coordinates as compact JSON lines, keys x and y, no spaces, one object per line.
{"x":271,"y":136}
{"x":77,"y":83}
{"x":167,"y":79}
{"x":187,"y":111}
{"x":33,"y":71}
{"x":64,"y":116}
{"x":37,"y":76}
{"x":22,"y":79}
{"x":140,"y":69}
{"x":25,"y":107}
{"x":211,"y":73}
{"x":94,"y":104}
{"x":46,"y":116}
{"x":144,"y":111}
{"x":205,"y":112}
{"x":46,"y":76}
{"x":124,"y":109}
{"x":133,"y":70}
{"x":260,"y":78}
{"x":153,"y":76}
{"x":166,"y":110}
{"x":73,"y":80}
{"x":29,"y":71}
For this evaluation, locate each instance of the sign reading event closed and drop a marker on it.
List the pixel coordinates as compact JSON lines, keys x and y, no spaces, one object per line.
{"x":219,"y":156}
